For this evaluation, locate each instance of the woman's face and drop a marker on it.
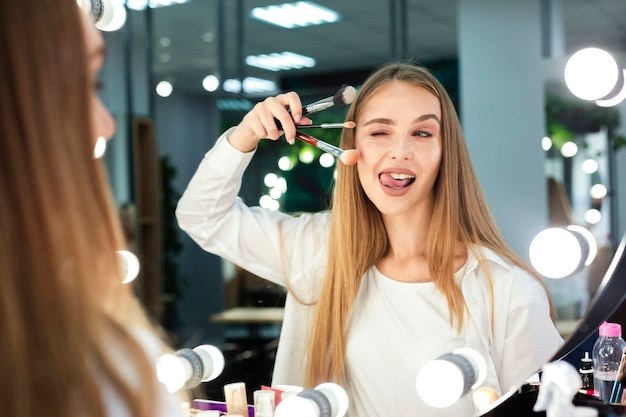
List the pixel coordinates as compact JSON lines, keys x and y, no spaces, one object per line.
{"x":398,"y":134}
{"x":103,"y":122}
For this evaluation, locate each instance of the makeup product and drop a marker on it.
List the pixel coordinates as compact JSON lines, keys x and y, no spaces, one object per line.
{"x":264,"y":403}
{"x":346,"y":125}
{"x":236,"y":400}
{"x":348,"y":157}
{"x":345,"y":95}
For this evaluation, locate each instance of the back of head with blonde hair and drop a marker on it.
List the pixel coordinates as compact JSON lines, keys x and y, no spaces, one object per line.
{"x":358,"y":238}
{"x":65,"y":318}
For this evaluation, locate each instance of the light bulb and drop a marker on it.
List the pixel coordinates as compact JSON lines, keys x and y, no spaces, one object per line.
{"x":171,"y":372}
{"x":440,"y":383}
{"x":559,"y":252}
{"x":326,"y":400}
{"x":113,"y":15}
{"x":188,"y":367}
{"x":591,"y":73}
{"x":130,"y":264}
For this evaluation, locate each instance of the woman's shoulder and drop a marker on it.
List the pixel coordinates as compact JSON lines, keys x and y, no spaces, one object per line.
{"x":501,"y":270}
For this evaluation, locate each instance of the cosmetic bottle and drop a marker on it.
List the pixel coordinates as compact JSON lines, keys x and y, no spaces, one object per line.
{"x":607,"y":356}
{"x":236,"y":400}
{"x":586,"y":375}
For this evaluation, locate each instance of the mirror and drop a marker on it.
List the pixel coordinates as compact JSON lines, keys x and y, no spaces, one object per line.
{"x":182,"y":44}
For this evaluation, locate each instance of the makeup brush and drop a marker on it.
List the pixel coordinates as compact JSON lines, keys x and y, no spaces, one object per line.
{"x":345,"y":95}
{"x":346,"y":125}
{"x":348,"y":157}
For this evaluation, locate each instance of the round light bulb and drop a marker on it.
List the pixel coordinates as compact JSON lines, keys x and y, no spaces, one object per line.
{"x":337,"y":396}
{"x":113,"y":15}
{"x":164,"y":88}
{"x":130,"y":264}
{"x":593,"y":216}
{"x":210,"y":83}
{"x":555,"y":253}
{"x":439,"y":383}
{"x":211,"y":355}
{"x":591,"y":73}
{"x":171,"y":372}
{"x":296,"y":406}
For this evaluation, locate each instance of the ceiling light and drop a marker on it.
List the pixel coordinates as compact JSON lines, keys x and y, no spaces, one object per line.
{"x":280,"y":61}
{"x":164,"y":88}
{"x":250,"y":85}
{"x":163,"y":3}
{"x":210,"y":83}
{"x":297,"y":14}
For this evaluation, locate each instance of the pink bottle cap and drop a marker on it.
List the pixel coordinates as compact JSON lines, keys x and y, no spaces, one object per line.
{"x":610,"y":329}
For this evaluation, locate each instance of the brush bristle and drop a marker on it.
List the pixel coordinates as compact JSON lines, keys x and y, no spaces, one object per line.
{"x":344,"y":96}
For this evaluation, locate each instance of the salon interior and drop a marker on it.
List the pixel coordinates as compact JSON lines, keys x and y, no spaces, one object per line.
{"x":549,"y":150}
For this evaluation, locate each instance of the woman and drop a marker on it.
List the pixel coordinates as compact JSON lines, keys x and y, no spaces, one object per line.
{"x":75,"y":341}
{"x":407,"y":266}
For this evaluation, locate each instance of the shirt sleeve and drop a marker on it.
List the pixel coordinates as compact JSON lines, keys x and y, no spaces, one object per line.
{"x":270,"y":244}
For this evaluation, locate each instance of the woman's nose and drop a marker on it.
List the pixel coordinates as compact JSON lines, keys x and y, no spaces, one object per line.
{"x":400,"y":148}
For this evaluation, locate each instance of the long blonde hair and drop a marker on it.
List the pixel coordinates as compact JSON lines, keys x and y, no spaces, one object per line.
{"x":65,"y":318}
{"x":358,"y":238}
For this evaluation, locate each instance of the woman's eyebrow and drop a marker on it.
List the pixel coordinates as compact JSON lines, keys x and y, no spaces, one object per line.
{"x":386,"y":121}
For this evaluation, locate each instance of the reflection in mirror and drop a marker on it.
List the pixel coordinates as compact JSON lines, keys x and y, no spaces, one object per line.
{"x":212,"y":38}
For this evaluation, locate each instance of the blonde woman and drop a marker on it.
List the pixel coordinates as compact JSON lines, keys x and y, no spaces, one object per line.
{"x":407,"y":264}
{"x":74,"y":340}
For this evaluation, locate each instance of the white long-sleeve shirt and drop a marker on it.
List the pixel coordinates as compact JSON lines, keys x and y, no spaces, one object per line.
{"x":397,"y":326}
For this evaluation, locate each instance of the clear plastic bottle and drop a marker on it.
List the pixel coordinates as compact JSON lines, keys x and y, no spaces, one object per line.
{"x":607,"y":355}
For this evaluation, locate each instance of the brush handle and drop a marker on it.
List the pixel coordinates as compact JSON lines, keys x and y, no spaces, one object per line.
{"x":322,"y":126}
{"x":320,"y":144}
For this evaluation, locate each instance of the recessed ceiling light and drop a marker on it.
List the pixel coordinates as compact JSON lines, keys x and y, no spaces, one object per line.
{"x":250,"y":85}
{"x":142,"y":4}
{"x":297,"y":14}
{"x":280,"y":61}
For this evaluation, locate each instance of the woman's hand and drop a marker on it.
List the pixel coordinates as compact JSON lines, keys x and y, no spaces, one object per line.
{"x":260,"y":122}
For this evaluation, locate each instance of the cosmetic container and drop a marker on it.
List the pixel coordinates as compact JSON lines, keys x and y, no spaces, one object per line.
{"x":236,"y":400}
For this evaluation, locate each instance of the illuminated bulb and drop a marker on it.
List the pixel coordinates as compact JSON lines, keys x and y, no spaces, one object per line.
{"x":113,"y":15}
{"x":546,"y":143}
{"x":130,"y":264}
{"x":171,"y":372}
{"x":267,"y":202}
{"x":590,"y":166}
{"x":327,"y":160}
{"x":569,"y":149}
{"x":591,"y":73}
{"x":593,"y":216}
{"x":188,"y":367}
{"x":598,"y":191}
{"x":285,"y":164}
{"x":210,"y":83}
{"x":442,"y":382}
{"x":326,"y":400}
{"x":617,"y":98}
{"x":270,"y":179}
{"x":100,"y":148}
{"x":557,"y":253}
{"x":164,"y":88}
{"x":306,"y":155}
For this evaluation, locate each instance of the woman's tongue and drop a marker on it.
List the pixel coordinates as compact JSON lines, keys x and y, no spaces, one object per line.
{"x":399,"y":182}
